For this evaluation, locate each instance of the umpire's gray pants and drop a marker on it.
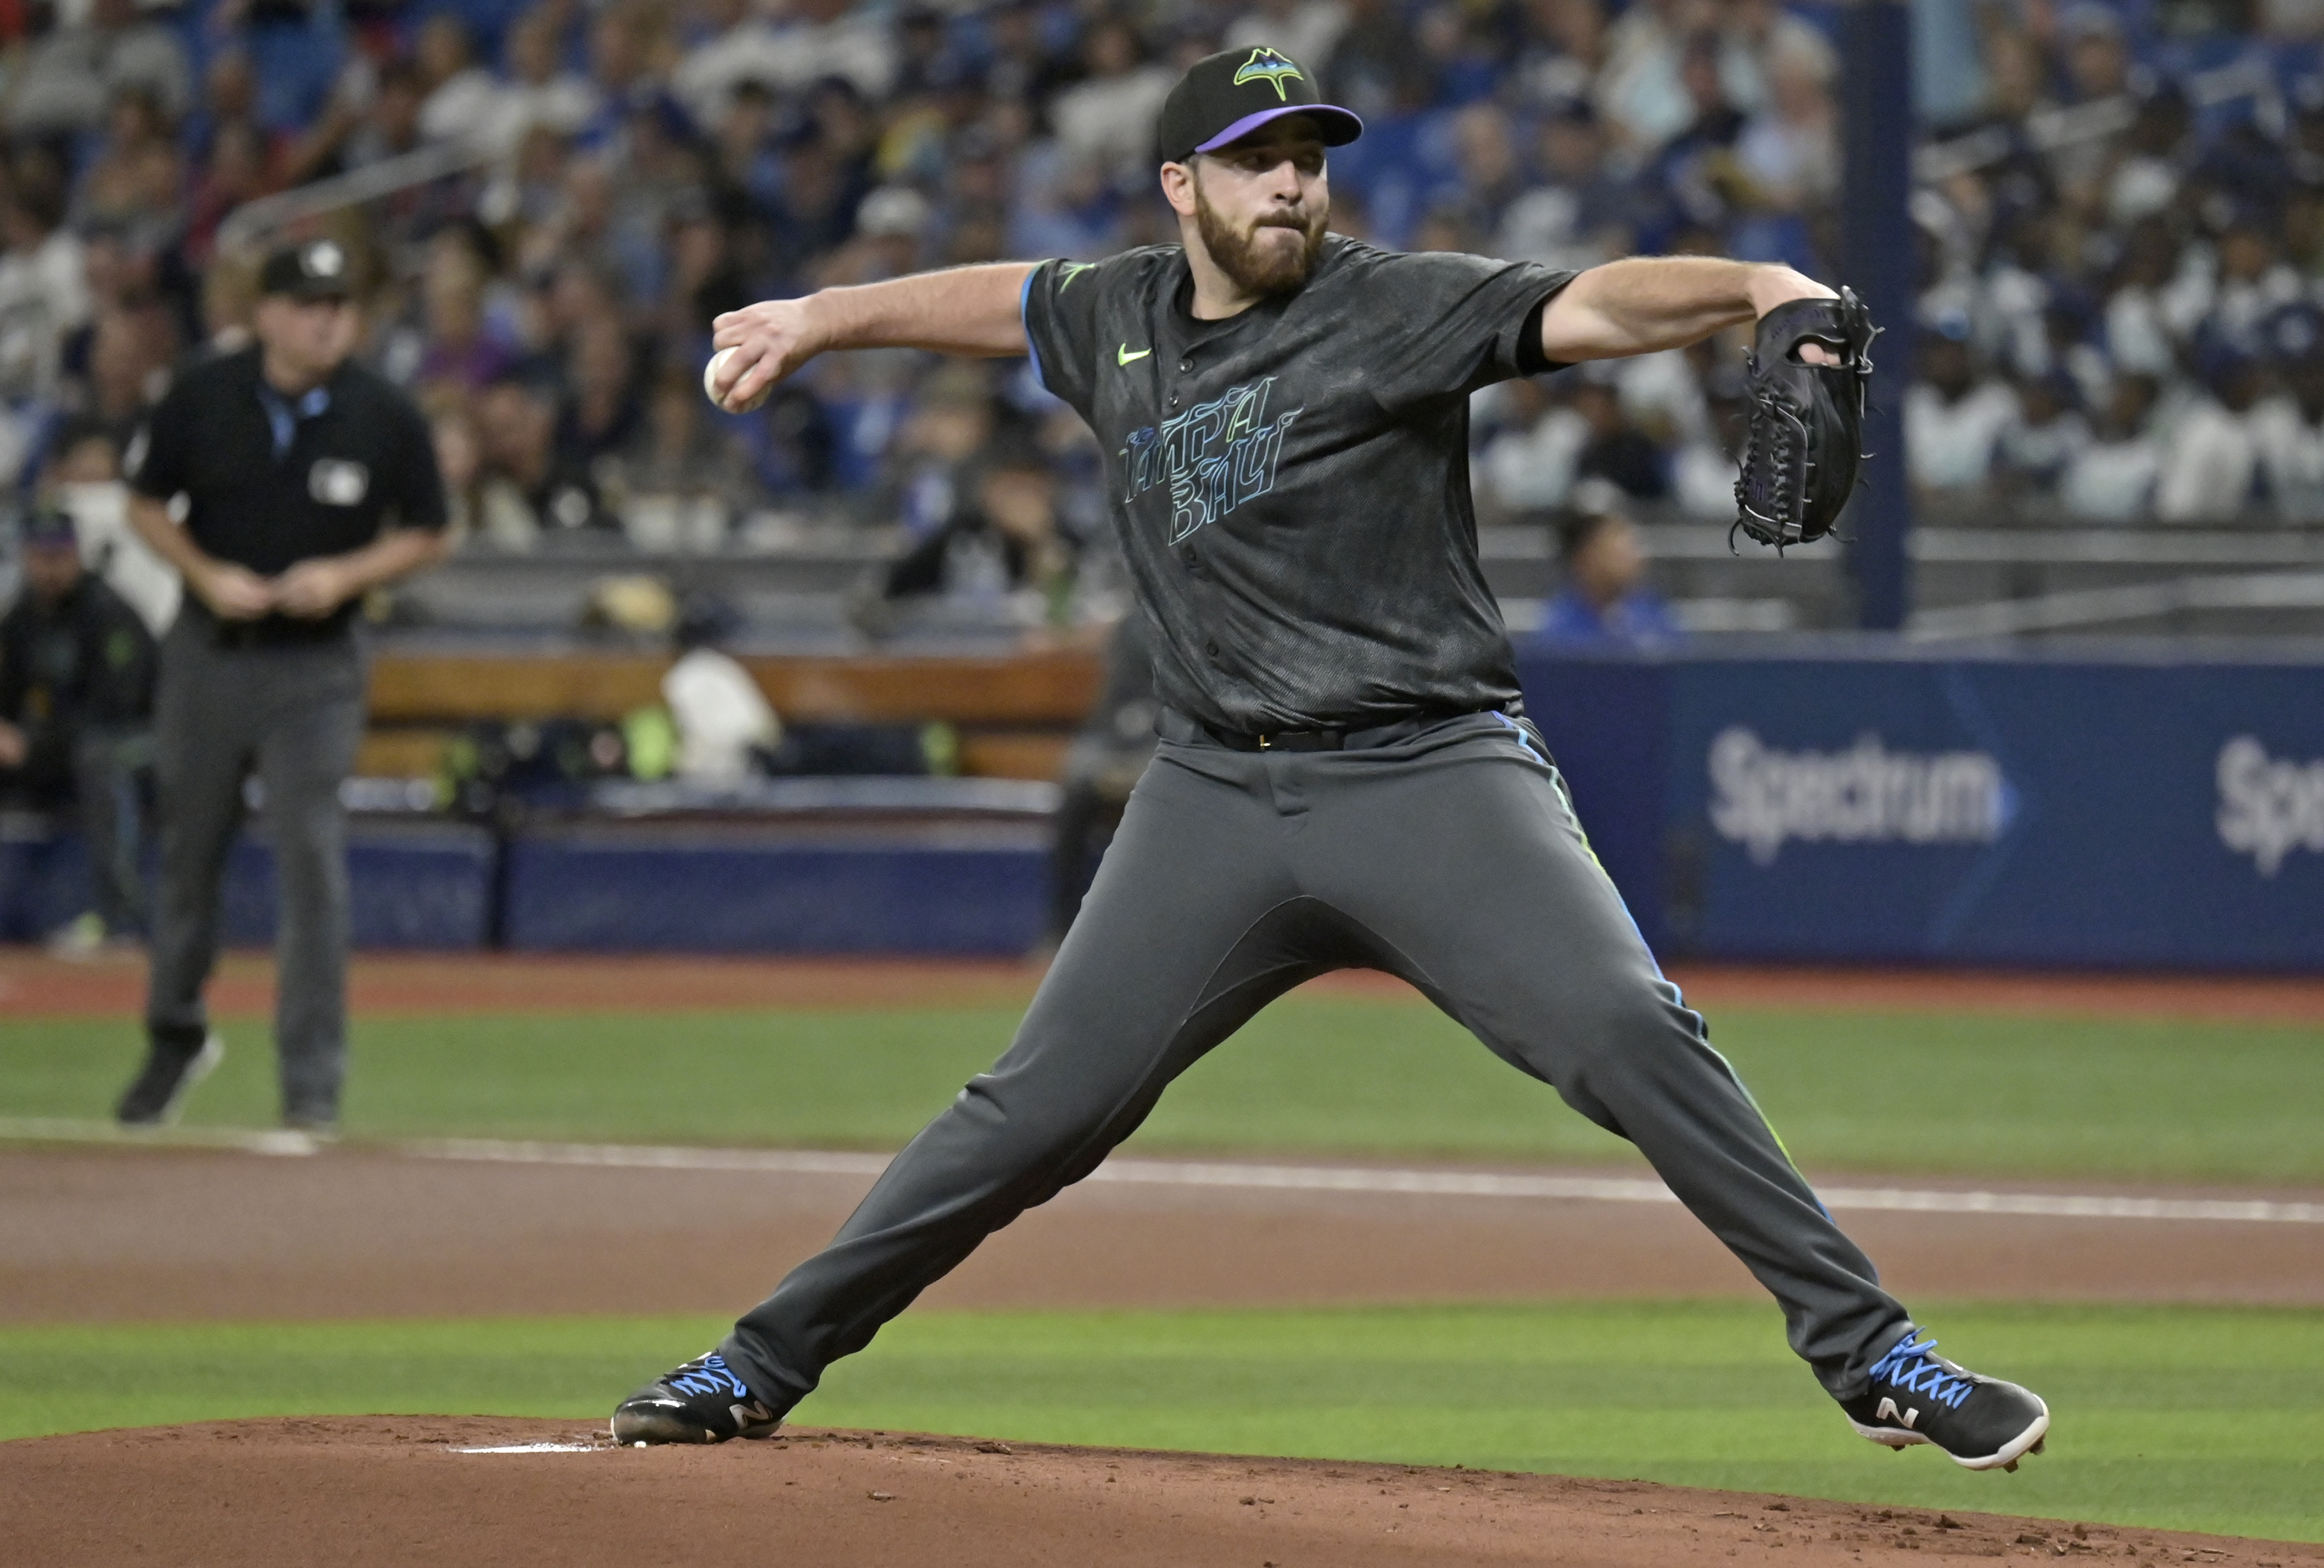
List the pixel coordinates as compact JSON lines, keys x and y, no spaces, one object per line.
{"x":293,"y":715}
{"x":1449,"y":856}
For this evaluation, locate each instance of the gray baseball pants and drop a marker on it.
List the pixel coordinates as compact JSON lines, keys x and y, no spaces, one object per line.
{"x":1445,"y":853}
{"x":293,"y":715}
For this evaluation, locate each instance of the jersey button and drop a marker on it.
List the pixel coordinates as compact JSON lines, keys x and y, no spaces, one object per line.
{"x":1174,"y":400}
{"x":1212,"y":650}
{"x":1186,"y":363}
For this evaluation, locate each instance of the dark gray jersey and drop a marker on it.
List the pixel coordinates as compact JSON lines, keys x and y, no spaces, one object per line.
{"x":1292,"y":484}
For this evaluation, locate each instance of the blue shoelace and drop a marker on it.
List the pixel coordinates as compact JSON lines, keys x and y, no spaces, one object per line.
{"x":709,"y":1376}
{"x":1910,"y":1365}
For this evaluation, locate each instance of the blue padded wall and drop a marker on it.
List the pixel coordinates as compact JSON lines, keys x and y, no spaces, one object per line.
{"x":767,"y":890}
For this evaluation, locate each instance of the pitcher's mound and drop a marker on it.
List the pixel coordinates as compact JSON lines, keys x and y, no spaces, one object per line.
{"x":391,"y":1490}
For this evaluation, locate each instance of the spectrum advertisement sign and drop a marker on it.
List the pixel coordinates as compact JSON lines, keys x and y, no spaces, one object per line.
{"x":1996,"y":810}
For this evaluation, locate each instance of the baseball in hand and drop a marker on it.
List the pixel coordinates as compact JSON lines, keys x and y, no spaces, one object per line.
{"x":710,"y":384}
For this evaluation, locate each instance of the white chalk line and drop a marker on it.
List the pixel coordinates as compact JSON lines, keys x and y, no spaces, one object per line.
{"x":1366,"y":1179}
{"x":1231,"y":1175}
{"x":538,"y":1448}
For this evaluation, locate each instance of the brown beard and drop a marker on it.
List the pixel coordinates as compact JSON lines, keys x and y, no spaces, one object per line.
{"x":1249,"y":268}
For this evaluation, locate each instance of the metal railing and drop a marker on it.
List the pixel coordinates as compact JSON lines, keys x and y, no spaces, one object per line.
{"x":246,"y":223}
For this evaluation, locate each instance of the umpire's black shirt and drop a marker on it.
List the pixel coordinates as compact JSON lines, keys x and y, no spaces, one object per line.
{"x":270,"y":481}
{"x":1292,"y":482}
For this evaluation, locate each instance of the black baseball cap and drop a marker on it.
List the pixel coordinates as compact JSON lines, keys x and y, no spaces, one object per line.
{"x":316,"y":270}
{"x":1225,"y":97}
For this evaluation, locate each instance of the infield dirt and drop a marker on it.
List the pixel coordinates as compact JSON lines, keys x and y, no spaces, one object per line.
{"x":397,"y":1490}
{"x":34,"y":986}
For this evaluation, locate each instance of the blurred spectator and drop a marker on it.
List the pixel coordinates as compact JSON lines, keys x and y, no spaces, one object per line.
{"x":43,"y":297}
{"x":2112,"y":479}
{"x":527,"y":490}
{"x":1376,"y":67}
{"x":2288,"y":428}
{"x":1528,"y":463}
{"x":75,"y":704}
{"x":389,"y":127}
{"x":1605,"y":601}
{"x":1952,"y":419}
{"x":1790,"y":150}
{"x":461,"y":99}
{"x":1641,"y":87}
{"x":2042,"y":441}
{"x":234,"y":173}
{"x":1579,"y":214}
{"x":461,"y":349}
{"x":1004,"y":544}
{"x":926,"y":473}
{"x":64,"y":80}
{"x":601,"y":406}
{"x":1616,"y":449}
{"x":1108,"y":115}
{"x":679,"y":482}
{"x":2210,"y":456}
{"x":82,"y":478}
{"x":724,"y":720}
{"x":136,"y":176}
{"x":814,"y":40}
{"x":542,"y":94}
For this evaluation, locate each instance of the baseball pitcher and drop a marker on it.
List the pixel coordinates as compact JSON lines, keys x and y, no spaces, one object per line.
{"x":1346,"y":777}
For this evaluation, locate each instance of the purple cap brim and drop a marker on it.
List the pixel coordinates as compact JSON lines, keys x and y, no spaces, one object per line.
{"x":1349,"y":122}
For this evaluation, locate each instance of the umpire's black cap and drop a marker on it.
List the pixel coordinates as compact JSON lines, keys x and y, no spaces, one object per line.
{"x":1225,"y":97}
{"x":316,"y":270}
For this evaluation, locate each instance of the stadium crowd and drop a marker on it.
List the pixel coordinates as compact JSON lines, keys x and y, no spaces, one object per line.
{"x":2121,"y":210}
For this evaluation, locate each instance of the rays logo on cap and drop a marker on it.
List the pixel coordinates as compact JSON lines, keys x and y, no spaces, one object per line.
{"x":1271,"y":67}
{"x":324,"y":260}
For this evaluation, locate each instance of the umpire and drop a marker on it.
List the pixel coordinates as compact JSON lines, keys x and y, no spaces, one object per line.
{"x":283,"y":482}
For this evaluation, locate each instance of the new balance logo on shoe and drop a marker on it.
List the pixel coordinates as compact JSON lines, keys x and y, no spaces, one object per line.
{"x":1915,"y":1396}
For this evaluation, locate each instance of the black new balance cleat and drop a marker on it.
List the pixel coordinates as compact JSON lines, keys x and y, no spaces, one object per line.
{"x":1917,"y":1396}
{"x":171,"y":1068}
{"x":701,"y":1402}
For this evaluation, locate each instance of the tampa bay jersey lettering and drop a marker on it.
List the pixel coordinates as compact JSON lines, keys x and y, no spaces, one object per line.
{"x":1215,"y":457}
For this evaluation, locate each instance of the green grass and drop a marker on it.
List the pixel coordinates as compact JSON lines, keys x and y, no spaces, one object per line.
{"x":2169,"y":1417}
{"x":1987,"y":1095}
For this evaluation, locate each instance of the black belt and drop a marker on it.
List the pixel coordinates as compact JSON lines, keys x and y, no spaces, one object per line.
{"x":1360,"y":738}
{"x":276,"y":631}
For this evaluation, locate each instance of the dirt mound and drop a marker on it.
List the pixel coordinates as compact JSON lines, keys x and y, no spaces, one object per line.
{"x":404,"y":1490}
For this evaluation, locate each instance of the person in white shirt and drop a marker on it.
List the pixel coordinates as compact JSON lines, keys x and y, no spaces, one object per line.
{"x":2113,"y":478}
{"x":43,"y":291}
{"x":815,"y":39}
{"x":463,"y":99}
{"x":2210,"y":455}
{"x":539,"y":92}
{"x":1952,"y":417}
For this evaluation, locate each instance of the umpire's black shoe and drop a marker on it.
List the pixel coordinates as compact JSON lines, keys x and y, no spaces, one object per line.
{"x":702,"y":1401}
{"x":171,"y":1068}
{"x":1917,"y":1396}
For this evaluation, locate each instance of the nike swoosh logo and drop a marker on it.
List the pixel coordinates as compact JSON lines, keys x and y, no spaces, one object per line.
{"x":1123,"y":356}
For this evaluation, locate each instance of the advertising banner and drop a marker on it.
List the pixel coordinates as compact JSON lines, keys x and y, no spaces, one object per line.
{"x":1996,"y":810}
